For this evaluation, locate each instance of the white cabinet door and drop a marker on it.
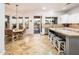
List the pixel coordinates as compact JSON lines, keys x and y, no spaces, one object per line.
{"x":74,"y":18}
{"x":65,"y":18}
{"x":77,"y":18}
{"x":71,"y":18}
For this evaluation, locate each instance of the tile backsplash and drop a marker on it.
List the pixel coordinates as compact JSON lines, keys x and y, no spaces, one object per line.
{"x":74,"y":26}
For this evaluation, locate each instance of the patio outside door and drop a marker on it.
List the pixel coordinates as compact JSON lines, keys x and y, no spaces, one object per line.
{"x":37,"y":24}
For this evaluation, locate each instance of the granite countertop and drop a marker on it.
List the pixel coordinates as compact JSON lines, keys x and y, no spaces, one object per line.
{"x":66,"y":31}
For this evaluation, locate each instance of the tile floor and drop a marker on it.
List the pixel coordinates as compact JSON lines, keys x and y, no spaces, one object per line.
{"x":35,"y":44}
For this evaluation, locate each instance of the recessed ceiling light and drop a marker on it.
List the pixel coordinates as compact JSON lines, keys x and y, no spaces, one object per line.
{"x":64,"y":8}
{"x":43,"y":8}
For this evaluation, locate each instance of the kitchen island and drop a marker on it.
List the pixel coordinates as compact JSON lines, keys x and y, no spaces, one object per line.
{"x":70,"y":37}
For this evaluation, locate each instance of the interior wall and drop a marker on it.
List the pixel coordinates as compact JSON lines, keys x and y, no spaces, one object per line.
{"x":2,"y":22}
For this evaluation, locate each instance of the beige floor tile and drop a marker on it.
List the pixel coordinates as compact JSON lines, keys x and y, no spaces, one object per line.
{"x":31,"y":45}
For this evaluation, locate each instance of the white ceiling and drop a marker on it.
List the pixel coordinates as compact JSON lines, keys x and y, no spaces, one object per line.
{"x":31,"y":7}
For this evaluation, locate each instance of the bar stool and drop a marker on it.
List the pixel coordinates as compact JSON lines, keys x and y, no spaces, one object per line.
{"x":51,"y":37}
{"x":55,"y":42}
{"x":60,"y":46}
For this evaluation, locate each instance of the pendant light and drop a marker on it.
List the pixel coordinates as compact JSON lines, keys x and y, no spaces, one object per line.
{"x":17,"y":26}
{"x":16,"y":12}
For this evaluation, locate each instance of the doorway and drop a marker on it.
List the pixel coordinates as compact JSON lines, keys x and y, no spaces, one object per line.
{"x":37,"y":24}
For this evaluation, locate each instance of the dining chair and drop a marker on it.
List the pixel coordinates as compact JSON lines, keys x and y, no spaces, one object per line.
{"x":9,"y":35}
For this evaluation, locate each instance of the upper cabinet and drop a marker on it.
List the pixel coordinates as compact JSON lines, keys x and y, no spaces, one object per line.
{"x":71,"y":18}
{"x":64,"y":19}
{"x":74,"y":18}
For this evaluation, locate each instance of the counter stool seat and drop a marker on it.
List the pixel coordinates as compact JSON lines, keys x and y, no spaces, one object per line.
{"x":61,"y":46}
